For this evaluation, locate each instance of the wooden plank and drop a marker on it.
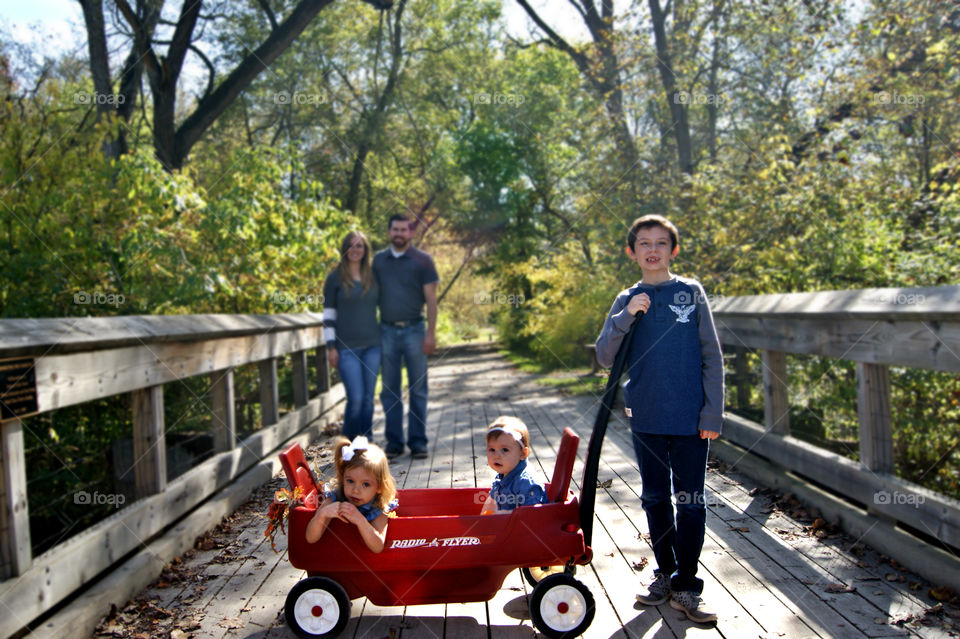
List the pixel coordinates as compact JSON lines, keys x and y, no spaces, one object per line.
{"x":79,"y":558}
{"x":741,"y":376}
{"x":223,"y":410}
{"x":15,"y":548}
{"x":69,"y":379}
{"x":815,"y":565}
{"x":776,"y":407}
{"x":79,"y":619}
{"x":149,"y":444}
{"x":618,"y":543}
{"x":934,"y":303}
{"x":742,"y":598}
{"x":269,"y":392}
{"x":300,"y":382}
{"x":918,"y":344}
{"x":923,"y":509}
{"x":323,"y":369}
{"x":927,"y":560}
{"x":45,"y":336}
{"x":508,"y":612}
{"x":873,"y":411}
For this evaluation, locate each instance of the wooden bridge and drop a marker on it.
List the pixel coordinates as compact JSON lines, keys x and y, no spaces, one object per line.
{"x":770,"y":570}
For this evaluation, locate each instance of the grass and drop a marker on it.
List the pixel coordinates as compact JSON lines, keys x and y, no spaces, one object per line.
{"x":570,"y":381}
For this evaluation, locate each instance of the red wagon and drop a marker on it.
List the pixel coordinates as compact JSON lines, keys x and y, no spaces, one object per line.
{"x":439,"y":549}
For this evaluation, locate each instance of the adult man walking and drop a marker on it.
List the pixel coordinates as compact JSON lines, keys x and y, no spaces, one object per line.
{"x":408,"y":280}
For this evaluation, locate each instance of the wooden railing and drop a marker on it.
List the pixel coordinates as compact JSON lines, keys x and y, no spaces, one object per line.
{"x":47,"y":364}
{"x":876,"y":328}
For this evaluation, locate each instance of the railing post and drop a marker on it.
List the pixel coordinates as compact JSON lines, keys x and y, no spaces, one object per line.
{"x":776,"y":408}
{"x":224,"y":410}
{"x":301,"y":388}
{"x":269,"y":392}
{"x":15,"y":552}
{"x":323,"y":370}
{"x":741,"y":376}
{"x":873,"y":410}
{"x":149,"y":445}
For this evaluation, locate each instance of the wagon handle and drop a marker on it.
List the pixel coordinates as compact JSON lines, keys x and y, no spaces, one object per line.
{"x":588,"y":488}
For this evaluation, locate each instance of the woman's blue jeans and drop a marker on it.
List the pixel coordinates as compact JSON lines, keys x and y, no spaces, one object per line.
{"x":358,"y":371}
{"x":677,"y":462}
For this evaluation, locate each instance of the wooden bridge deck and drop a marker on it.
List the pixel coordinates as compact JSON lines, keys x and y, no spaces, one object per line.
{"x":765,"y":573}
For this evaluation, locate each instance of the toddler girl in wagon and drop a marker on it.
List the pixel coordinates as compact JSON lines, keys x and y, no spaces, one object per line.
{"x":363,"y":495}
{"x":508,"y":446}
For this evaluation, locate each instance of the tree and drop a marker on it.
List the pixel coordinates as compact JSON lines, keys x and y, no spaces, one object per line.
{"x":173,"y":141}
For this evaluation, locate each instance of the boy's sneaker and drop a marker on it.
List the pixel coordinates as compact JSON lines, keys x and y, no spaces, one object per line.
{"x":692,"y":605}
{"x":657,"y":592}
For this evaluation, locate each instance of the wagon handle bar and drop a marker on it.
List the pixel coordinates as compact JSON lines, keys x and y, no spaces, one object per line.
{"x":588,"y":487}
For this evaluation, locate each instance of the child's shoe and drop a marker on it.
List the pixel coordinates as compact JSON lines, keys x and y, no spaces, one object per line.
{"x":693,"y":606}
{"x":657,"y":592}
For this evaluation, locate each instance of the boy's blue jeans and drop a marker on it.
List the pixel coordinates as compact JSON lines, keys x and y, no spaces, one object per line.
{"x":404,"y":345}
{"x":358,"y":371}
{"x":678,"y":462}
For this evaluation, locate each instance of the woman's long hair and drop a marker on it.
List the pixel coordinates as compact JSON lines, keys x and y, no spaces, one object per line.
{"x":366,"y":273}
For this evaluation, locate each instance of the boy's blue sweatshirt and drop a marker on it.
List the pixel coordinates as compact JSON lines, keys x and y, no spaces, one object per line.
{"x":675,"y":365}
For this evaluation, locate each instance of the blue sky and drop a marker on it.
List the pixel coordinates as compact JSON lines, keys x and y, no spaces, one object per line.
{"x":58,"y":24}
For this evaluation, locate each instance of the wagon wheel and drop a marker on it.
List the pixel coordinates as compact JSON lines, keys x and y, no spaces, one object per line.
{"x":561,"y":607}
{"x":317,"y":607}
{"x":536,"y":574}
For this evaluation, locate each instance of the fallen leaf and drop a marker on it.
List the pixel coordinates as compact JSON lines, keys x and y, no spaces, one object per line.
{"x":943,"y":593}
{"x":740,"y":528}
{"x":838,"y":587}
{"x":231,"y":623}
{"x":179,"y":634}
{"x":640,"y":565}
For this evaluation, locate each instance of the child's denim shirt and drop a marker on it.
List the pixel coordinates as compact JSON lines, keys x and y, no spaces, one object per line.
{"x":517,"y":488}
{"x":369,"y":510}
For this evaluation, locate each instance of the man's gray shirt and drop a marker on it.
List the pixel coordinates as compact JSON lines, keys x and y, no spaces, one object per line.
{"x":401,"y":280}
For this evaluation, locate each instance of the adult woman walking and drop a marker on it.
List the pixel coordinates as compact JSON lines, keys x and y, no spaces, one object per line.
{"x":352,"y":332}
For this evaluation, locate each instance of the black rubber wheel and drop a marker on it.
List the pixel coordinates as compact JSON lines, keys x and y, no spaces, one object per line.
{"x":536,"y":574}
{"x":317,"y":607}
{"x":561,"y":607}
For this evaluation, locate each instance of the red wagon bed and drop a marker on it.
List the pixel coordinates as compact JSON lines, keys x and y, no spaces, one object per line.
{"x":439,"y":549}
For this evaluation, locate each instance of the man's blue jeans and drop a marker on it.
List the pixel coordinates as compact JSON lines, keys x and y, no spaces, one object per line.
{"x":404,"y":345}
{"x":680,"y":461}
{"x":358,"y":370}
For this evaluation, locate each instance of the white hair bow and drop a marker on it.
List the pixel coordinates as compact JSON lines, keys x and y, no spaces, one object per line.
{"x":517,"y":436}
{"x":349,"y":450}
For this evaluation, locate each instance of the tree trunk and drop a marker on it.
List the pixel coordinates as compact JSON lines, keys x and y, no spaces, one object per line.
{"x":374,"y":120}
{"x":676,"y":101}
{"x":603,"y":76}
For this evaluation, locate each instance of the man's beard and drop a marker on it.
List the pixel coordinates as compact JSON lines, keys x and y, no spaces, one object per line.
{"x":400,"y":243}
